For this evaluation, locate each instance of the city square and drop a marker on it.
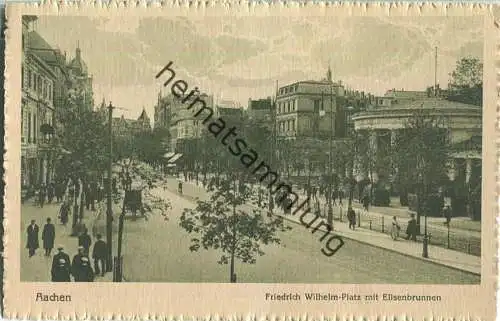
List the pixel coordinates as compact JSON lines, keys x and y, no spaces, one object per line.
{"x":300,"y":181}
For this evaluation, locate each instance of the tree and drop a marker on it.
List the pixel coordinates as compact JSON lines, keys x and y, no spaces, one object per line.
{"x":466,"y":83}
{"x":80,"y":144}
{"x":421,"y":152}
{"x":223,"y":224}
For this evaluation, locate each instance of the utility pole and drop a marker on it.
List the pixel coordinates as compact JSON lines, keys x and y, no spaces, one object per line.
{"x":109,"y":211}
{"x":330,"y":165}
{"x":435,"y":71}
{"x":274,"y":109}
{"x":232,"y":275}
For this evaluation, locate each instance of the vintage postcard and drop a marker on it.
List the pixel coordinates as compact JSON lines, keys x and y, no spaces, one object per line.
{"x":262,"y":161}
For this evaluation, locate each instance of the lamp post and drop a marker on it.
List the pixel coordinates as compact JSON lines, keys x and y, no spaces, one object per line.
{"x":109,"y":211}
{"x":232,"y":275}
{"x":273,"y":145}
{"x":330,"y":165}
{"x":425,"y":242}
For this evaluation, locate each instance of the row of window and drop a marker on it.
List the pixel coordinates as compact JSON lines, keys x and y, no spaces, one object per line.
{"x":30,"y":125}
{"x":289,"y":89}
{"x":287,"y":125}
{"x":37,"y":83}
{"x":29,"y":133}
{"x":287,"y":106}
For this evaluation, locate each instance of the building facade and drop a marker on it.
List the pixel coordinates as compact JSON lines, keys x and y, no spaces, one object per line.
{"x":47,"y":81}
{"x":306,"y":108}
{"x":383,"y":122}
{"x":39,"y":80}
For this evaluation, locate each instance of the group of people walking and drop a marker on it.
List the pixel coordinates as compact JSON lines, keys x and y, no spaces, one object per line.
{"x":62,"y":269}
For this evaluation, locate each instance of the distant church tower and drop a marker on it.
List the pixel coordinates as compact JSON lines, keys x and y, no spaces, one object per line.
{"x":329,"y":74}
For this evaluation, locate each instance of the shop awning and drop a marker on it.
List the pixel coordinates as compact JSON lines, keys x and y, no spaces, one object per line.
{"x":174,"y":158}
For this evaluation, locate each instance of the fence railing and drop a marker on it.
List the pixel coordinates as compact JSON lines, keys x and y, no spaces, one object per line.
{"x":439,"y":237}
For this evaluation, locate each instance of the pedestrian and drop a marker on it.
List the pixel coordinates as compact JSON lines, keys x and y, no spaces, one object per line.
{"x":32,"y":243}
{"x":179,"y":187}
{"x":366,"y":203}
{"x":334,"y":197}
{"x":61,"y":268}
{"x":447,"y":214}
{"x":341,"y":196}
{"x":395,"y":228}
{"x":411,"y":229}
{"x":317,"y":209}
{"x":50,"y":192}
{"x":85,"y":241}
{"x":64,"y":212}
{"x":48,"y":236}
{"x":99,"y":254}
{"x":80,"y":266}
{"x":58,"y":191}
{"x":315,"y":193}
{"x":41,"y":194}
{"x":351,"y":217}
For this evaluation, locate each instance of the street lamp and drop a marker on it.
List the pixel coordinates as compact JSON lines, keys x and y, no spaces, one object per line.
{"x":330,"y":165}
{"x":109,"y":211}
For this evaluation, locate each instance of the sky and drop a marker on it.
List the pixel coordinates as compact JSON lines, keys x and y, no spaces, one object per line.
{"x":237,"y":58}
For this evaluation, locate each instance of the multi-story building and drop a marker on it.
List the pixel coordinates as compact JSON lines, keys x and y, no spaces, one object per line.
{"x":261,"y":111}
{"x":81,"y":81}
{"x":126,"y":127}
{"x":305,"y":108}
{"x":47,"y":80}
{"x":39,"y":80}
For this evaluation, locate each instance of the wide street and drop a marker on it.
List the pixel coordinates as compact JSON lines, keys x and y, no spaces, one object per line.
{"x":158,"y":251}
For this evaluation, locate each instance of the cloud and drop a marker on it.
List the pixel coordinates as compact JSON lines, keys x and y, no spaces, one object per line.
{"x":243,"y":56}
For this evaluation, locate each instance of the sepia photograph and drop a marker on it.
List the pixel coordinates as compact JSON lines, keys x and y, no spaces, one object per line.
{"x":168,"y":149}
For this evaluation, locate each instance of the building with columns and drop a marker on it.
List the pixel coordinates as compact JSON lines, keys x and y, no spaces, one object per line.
{"x":390,"y":114}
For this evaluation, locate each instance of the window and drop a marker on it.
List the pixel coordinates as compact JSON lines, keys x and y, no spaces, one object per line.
{"x":40,"y":84}
{"x":29,"y":127}
{"x":293,"y":125}
{"x":35,"y":80}
{"x":288,"y":106}
{"x":317,"y":104}
{"x":34,"y":128}
{"x":22,"y":122}
{"x":22,"y":77}
{"x":29,"y":79}
{"x":44,"y":88}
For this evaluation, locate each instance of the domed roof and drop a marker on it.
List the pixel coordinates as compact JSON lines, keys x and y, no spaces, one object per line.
{"x":77,"y":64}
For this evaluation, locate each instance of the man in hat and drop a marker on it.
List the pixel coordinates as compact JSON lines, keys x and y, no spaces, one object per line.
{"x":85,"y":271}
{"x":48,"y":236}
{"x":32,"y":243}
{"x":85,"y":241}
{"x":61,"y":268}
{"x":411,"y":230}
{"x":76,"y":264}
{"x":99,"y":254}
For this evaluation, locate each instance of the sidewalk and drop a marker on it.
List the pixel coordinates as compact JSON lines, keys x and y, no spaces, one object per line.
{"x":375,"y":212}
{"x":37,"y":268}
{"x":437,"y":254}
